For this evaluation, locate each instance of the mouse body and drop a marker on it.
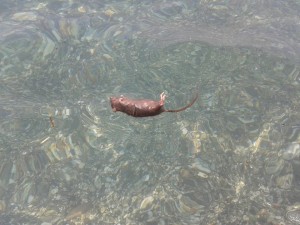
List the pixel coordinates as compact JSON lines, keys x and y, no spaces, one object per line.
{"x":143,"y":107}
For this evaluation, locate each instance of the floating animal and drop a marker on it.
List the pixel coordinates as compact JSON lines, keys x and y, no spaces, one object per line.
{"x":143,"y":107}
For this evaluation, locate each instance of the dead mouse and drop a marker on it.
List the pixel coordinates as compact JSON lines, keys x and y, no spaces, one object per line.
{"x":143,"y":107}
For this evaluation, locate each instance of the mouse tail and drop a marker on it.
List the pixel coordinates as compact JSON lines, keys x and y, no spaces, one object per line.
{"x":185,"y":107}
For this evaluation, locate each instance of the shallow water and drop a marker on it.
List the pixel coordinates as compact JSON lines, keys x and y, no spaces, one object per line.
{"x":232,"y":158}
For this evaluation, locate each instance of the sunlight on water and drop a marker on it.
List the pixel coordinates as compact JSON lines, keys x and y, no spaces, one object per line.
{"x":232,"y":158}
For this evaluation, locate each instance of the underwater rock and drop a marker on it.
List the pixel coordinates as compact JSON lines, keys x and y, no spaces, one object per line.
{"x":290,"y":152}
{"x":25,"y":16}
{"x":146,"y":203}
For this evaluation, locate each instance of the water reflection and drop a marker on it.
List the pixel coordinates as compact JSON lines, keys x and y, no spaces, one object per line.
{"x":232,"y":158}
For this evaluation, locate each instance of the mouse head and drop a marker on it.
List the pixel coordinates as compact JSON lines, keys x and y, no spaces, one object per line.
{"x":116,"y":103}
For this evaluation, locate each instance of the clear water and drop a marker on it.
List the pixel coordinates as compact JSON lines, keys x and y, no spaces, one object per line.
{"x":232,"y":158}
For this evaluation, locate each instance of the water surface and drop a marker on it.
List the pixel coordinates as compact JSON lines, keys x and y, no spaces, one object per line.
{"x":232,"y":158}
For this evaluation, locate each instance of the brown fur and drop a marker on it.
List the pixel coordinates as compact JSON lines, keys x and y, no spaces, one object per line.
{"x":143,"y":107}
